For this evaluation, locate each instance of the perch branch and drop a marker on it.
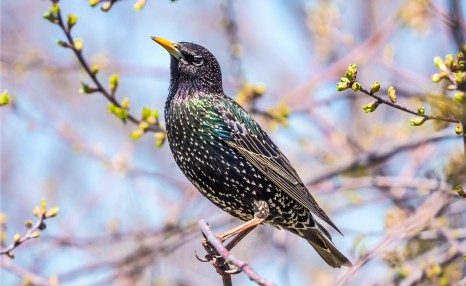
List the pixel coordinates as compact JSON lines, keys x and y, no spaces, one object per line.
{"x":217,"y":244}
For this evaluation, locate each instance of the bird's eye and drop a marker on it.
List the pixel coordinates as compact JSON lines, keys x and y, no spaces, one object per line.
{"x":197,"y":61}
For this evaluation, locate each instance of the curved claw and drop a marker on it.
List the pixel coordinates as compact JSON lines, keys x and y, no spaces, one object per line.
{"x":200,"y":258}
{"x":233,"y":271}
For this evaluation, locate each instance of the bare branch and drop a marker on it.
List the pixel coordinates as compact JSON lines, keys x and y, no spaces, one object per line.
{"x":225,"y":254}
{"x":380,"y":154}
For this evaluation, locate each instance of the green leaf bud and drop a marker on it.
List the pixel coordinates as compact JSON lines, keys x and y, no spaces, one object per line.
{"x":392,"y":94}
{"x":94,"y":3}
{"x":86,"y":89}
{"x":351,"y":72}
{"x":78,"y":44}
{"x":459,"y":129}
{"x":459,"y":96}
{"x":343,"y":84}
{"x":356,"y":86}
{"x":125,"y":103}
{"x":136,"y":134}
{"x":160,"y":139}
{"x":449,"y":59}
{"x":421,"y":110}
{"x":438,"y":62}
{"x":95,"y":69}
{"x":5,"y":98}
{"x":113,"y":81}
{"x":375,"y":87}
{"x":52,"y":212}
{"x":72,"y":19}
{"x":460,"y":191}
{"x":460,"y":77}
{"x":417,"y":121}
{"x":370,"y":107}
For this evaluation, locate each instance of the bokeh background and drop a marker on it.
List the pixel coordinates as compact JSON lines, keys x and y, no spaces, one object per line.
{"x":127,"y":214}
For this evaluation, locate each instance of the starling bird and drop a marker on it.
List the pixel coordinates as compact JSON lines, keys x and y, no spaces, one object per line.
{"x":227,"y":156}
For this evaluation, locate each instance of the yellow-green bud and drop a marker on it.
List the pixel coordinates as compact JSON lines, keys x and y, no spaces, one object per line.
{"x":43,"y":206}
{"x":146,"y":112}
{"x":50,"y":15}
{"x":436,"y":77}
{"x":28,"y":223}
{"x":63,"y":44}
{"x":417,"y":121}
{"x":52,"y":212}
{"x":136,"y":134}
{"x":55,"y":8}
{"x":16,"y":237}
{"x":375,"y":87}
{"x":449,"y":59}
{"x":35,"y":234}
{"x":125,"y":103}
{"x":113,"y":81}
{"x":5,"y":98}
{"x":460,"y":97}
{"x":392,"y":94}
{"x":258,"y":90}
{"x":370,"y":107}
{"x":356,"y":86}
{"x":351,"y":72}
{"x":36,"y":211}
{"x":460,"y":61}
{"x":94,"y":3}
{"x":160,"y":139}
{"x":95,"y":69}
{"x":460,"y":77}
{"x":143,"y":125}
{"x":421,"y":110}
{"x":78,"y":44}
{"x":118,"y":111}
{"x":460,"y":191}
{"x":438,"y":62}
{"x":343,"y":84}
{"x":139,"y":5}
{"x":459,"y":129}
{"x":87,"y":89}
{"x":72,"y":19}
{"x":106,"y":6}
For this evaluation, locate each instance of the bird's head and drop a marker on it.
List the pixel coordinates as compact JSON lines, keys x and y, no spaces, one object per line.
{"x":192,"y":66}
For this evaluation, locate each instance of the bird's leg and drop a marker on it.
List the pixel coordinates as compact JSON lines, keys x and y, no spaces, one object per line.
{"x":261,"y":212}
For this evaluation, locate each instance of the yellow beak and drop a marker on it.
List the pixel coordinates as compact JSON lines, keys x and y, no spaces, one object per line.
{"x":169,"y":46}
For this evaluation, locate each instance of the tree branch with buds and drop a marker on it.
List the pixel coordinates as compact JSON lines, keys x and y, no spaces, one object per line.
{"x":450,"y":110}
{"x":33,"y":229}
{"x":148,"y":121}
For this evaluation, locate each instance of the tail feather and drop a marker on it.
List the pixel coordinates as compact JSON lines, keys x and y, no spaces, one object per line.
{"x":321,"y":240}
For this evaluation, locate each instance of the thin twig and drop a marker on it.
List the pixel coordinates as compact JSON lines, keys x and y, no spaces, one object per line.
{"x":225,"y":254}
{"x":33,"y":232}
{"x":110,"y":96}
{"x":25,"y":274}
{"x":423,"y":216}
{"x":379,"y":155}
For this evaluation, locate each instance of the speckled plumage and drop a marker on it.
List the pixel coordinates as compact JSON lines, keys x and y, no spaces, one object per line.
{"x":230,"y":159}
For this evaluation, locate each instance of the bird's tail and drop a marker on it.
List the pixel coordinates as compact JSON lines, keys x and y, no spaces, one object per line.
{"x":321,"y":240}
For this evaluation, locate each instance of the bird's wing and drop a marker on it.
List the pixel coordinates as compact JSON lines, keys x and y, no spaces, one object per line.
{"x":241,"y":132}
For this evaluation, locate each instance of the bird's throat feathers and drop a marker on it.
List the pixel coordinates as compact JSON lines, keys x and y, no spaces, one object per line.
{"x":184,"y":83}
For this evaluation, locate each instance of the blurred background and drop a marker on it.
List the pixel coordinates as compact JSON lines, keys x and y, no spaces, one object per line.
{"x":127,"y":214}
